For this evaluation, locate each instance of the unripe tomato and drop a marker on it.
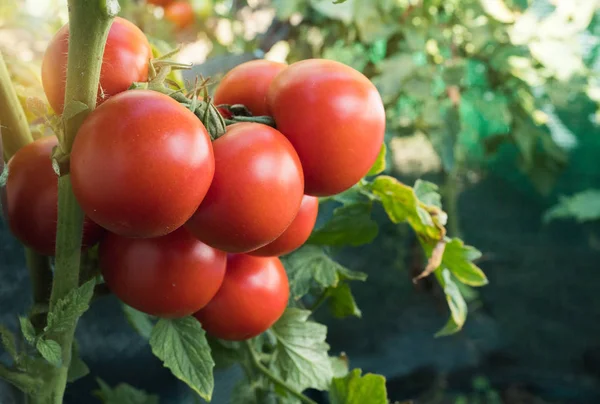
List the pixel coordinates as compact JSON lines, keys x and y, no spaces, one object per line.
{"x":253,"y":296}
{"x":248,"y":84}
{"x":296,"y":234}
{"x":180,"y":13}
{"x":256,"y":191}
{"x":126,"y":57}
{"x":141,"y":164}
{"x":334,"y":117}
{"x":202,"y":8}
{"x":169,"y":276}
{"x":32,"y":199}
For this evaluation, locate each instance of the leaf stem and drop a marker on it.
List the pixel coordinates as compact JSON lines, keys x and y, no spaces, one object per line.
{"x":273,"y":377}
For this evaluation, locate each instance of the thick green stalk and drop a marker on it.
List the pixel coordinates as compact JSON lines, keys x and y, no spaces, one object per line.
{"x":89,"y":23}
{"x":41,"y":284}
{"x":15,"y":129}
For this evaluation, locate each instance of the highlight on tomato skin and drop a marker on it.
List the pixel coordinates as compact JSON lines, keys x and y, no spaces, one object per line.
{"x":334,"y":117}
{"x":256,"y":191}
{"x":32,"y":199}
{"x":248,"y":84}
{"x":126,"y":58}
{"x":296,"y":234}
{"x":253,"y":296}
{"x":170,"y":276}
{"x":141,"y":164}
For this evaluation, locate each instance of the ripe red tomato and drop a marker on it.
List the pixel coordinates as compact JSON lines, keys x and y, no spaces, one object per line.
{"x":169,"y":276}
{"x":253,"y":296}
{"x":32,"y":199}
{"x":248,"y":84}
{"x":161,"y":3}
{"x":180,"y":13}
{"x":126,"y":57}
{"x":141,"y":164}
{"x":256,"y":191}
{"x":334,"y":117}
{"x":296,"y":234}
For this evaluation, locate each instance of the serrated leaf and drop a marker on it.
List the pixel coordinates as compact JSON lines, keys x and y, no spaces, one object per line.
{"x":402,"y":205}
{"x":456,"y":303}
{"x":8,"y":341}
{"x":379,"y":165}
{"x":341,"y":302}
{"x":428,"y":193}
{"x":70,"y":308}
{"x":139,"y":321}
{"x":457,"y":258}
{"x":124,"y":394}
{"x":583,"y":207}
{"x":181,"y":345}
{"x":77,"y":367}
{"x":354,"y":389}
{"x":224,"y":353}
{"x":50,"y":350}
{"x":310,"y":266}
{"x":27,"y":329}
{"x":350,"y":225}
{"x":300,"y":356}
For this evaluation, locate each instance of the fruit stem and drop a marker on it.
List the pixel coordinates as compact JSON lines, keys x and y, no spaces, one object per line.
{"x":273,"y":377}
{"x":89,"y":23}
{"x":265,"y":120}
{"x":15,"y":128}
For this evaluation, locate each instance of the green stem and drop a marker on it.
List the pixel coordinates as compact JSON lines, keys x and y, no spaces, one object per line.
{"x":41,"y":281}
{"x":15,"y":128}
{"x":273,"y":377}
{"x":89,"y":23}
{"x":265,"y":120}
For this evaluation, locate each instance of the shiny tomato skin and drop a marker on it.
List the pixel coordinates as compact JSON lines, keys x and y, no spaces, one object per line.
{"x":248,"y":84}
{"x":169,"y":276}
{"x":141,"y":164}
{"x":296,"y":234}
{"x":253,"y":296}
{"x":334,"y":117}
{"x":126,"y":57}
{"x":256,"y":191}
{"x":180,"y":13}
{"x":32,"y":199}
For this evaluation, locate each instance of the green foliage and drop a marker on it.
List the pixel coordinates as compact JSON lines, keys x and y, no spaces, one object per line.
{"x":181,"y":345}
{"x":77,"y":367}
{"x":139,"y":321}
{"x":583,"y":207}
{"x":356,"y":389}
{"x":70,"y":308}
{"x":123,"y":394}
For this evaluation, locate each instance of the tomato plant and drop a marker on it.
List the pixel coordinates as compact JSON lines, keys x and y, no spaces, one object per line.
{"x":334,"y":117}
{"x":125,"y":61}
{"x":180,"y":13}
{"x":248,"y":84}
{"x":169,"y":276}
{"x":296,"y":234}
{"x":256,"y":191}
{"x":253,"y":296}
{"x":141,"y":164}
{"x":31,"y":198}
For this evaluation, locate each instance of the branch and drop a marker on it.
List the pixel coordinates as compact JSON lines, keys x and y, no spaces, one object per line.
{"x":273,"y":377}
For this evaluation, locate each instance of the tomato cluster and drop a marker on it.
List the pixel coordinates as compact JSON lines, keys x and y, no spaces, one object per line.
{"x":190,"y":225}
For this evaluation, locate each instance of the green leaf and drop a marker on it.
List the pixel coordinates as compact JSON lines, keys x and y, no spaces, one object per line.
{"x":457,"y":258}
{"x":343,"y":12}
{"x":350,"y":225}
{"x":124,"y":394}
{"x":583,"y":207}
{"x":139,"y":321}
{"x":392,"y":74}
{"x":70,"y":308}
{"x":357,"y":389}
{"x":310,"y":266}
{"x":341,"y":302}
{"x":379,"y":165}
{"x":27,"y":329}
{"x":427,"y":192}
{"x":300,"y":356}
{"x":181,"y":344}
{"x":456,"y":303}
{"x":8,"y":341}
{"x":224,"y":353}
{"x":402,"y":205}
{"x":50,"y":350}
{"x":339,"y":365}
{"x":77,"y":368}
